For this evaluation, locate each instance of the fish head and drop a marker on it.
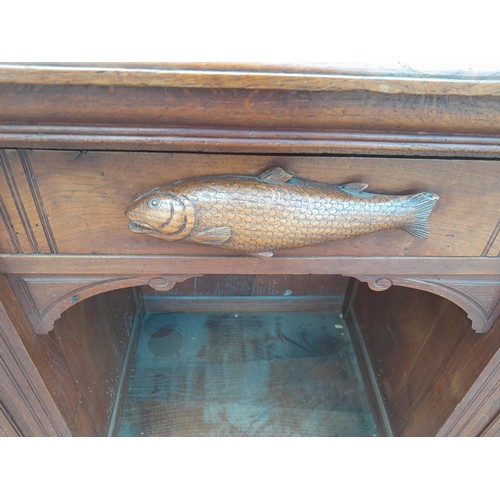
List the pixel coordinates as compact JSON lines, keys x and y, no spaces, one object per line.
{"x":162,"y":214}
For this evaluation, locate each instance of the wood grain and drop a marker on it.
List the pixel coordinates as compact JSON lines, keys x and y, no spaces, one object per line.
{"x":247,"y":293}
{"x":252,"y":76}
{"x":476,"y":294}
{"x":478,"y":412}
{"x":92,"y":337}
{"x":124,"y":265}
{"x":45,"y":298}
{"x":436,"y":375}
{"x":255,"y":285}
{"x":76,"y":390}
{"x":86,"y":197}
{"x":28,"y":405}
{"x":219,"y":140}
{"x":22,"y":206}
{"x":245,"y":374}
{"x":343,"y":109}
{"x":8,"y":427}
{"x":247,"y":109}
{"x":424,"y":353}
{"x":480,"y":298}
{"x":494,"y":429}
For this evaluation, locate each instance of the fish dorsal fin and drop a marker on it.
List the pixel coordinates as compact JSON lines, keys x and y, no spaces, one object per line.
{"x":275,"y":175}
{"x":212,"y":236}
{"x":354,"y":187}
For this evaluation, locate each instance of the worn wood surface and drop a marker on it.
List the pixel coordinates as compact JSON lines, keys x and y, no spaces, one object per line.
{"x":310,"y":77}
{"x":250,"y":293}
{"x":349,"y":111}
{"x":250,"y":109}
{"x":255,"y":141}
{"x":78,"y":363}
{"x":244,"y":304}
{"x":92,"y":338}
{"x":424,"y":353}
{"x":264,"y":374}
{"x":125,"y":265}
{"x":249,"y":285}
{"x":254,"y":108}
{"x":80,"y":200}
{"x":478,"y":413}
{"x":493,"y":430}
{"x":29,"y":405}
{"x":8,"y":427}
{"x":472,"y":284}
{"x":44,"y":298}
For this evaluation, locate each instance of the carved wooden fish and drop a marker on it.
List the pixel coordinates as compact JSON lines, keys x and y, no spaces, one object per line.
{"x":256,"y":215}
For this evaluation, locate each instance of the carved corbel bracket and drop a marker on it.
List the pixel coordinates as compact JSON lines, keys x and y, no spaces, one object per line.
{"x":479,"y":298}
{"x":45,"y":298}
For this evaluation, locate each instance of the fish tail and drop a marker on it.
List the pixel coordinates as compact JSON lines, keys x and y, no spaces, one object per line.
{"x":421,"y":208}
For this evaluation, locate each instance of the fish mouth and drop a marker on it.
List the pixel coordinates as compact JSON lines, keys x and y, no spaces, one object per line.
{"x":140,"y":227}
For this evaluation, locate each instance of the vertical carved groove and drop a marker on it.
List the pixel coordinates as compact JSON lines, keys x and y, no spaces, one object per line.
{"x":26,"y":385}
{"x":466,"y":415}
{"x":16,"y":196}
{"x":492,"y":240}
{"x":4,"y":215}
{"x":5,"y":412}
{"x":15,"y":383}
{"x":37,"y":198}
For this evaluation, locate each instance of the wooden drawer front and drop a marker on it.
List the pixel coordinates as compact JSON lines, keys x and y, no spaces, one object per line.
{"x":73,"y":202}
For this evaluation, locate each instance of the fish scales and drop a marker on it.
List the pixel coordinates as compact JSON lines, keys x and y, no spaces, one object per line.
{"x":297,"y":217}
{"x":275,"y":210}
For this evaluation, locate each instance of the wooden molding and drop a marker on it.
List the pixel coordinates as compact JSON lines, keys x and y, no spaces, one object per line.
{"x":286,"y":76}
{"x":24,"y":395}
{"x":354,"y":115}
{"x":8,"y":427}
{"x":478,"y":412}
{"x":28,"y":230}
{"x":45,"y":298}
{"x":394,"y":115}
{"x":492,"y":248}
{"x":135,"y":265}
{"x":470,"y":282}
{"x":246,"y":140}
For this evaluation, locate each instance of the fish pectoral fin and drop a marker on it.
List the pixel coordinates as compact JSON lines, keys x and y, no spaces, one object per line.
{"x":354,"y":187}
{"x":212,"y":236}
{"x":275,"y":175}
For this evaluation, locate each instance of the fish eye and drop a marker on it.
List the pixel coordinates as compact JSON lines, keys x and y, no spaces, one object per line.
{"x":154,"y":203}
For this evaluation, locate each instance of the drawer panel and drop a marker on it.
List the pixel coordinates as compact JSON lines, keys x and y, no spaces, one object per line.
{"x":73,"y":202}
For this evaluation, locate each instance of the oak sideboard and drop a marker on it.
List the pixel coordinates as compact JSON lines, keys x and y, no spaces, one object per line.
{"x":79,"y":143}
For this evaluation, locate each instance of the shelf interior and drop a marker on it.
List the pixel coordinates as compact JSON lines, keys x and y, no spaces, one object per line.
{"x":244,"y":374}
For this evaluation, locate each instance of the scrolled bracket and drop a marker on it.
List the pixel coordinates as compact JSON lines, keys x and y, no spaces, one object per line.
{"x":45,"y":298}
{"x":165,"y":283}
{"x":478,"y":297}
{"x":379,"y":284}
